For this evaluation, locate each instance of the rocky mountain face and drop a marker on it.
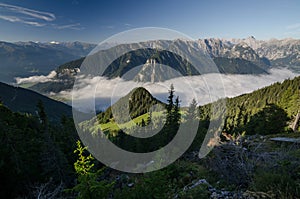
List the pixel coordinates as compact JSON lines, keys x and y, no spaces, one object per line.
{"x":281,"y":52}
{"x":285,"y":52}
{"x":149,"y":65}
{"x":141,"y":52}
{"x":265,"y":54}
{"x":231,"y":56}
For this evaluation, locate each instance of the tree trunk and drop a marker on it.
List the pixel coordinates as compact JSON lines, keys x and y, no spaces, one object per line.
{"x":295,"y":123}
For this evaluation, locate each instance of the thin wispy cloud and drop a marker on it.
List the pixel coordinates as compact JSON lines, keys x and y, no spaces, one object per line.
{"x":18,"y":14}
{"x":75,"y":26}
{"x":110,"y":27}
{"x":17,"y":19}
{"x":292,"y":29}
{"x":293,"y":26}
{"x":10,"y":18}
{"x":46,"y":16}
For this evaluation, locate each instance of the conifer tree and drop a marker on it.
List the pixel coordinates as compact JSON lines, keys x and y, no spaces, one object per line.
{"x":42,"y":113}
{"x":149,"y":119}
{"x":176,"y":112}
{"x":192,"y":111}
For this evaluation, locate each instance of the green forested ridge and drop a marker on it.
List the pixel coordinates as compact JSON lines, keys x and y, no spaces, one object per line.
{"x":249,"y":165}
{"x":273,"y":105}
{"x":23,"y":100}
{"x":138,"y":101}
{"x":269,"y":110}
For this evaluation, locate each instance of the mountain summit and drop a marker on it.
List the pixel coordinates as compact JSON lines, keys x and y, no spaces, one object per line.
{"x":137,"y":102}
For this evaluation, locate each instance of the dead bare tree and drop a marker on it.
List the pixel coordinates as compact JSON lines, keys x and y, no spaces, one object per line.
{"x":296,"y":122}
{"x":47,"y":190}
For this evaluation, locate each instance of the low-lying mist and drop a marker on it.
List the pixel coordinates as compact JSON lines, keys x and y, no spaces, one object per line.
{"x":204,"y":88}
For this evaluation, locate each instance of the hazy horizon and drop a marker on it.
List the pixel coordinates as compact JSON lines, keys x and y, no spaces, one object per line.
{"x":77,"y":20}
{"x":226,"y":39}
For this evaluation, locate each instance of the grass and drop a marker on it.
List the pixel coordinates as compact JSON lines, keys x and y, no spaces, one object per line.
{"x":113,"y":126}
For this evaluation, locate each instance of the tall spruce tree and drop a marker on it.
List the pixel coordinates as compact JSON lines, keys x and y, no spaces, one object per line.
{"x":42,"y":113}
{"x":176,"y":112}
{"x":149,"y":119}
{"x":173,"y":111}
{"x":170,"y":105}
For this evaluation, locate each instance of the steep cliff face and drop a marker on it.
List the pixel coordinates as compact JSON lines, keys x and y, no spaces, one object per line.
{"x":284,"y":52}
{"x":231,"y":56}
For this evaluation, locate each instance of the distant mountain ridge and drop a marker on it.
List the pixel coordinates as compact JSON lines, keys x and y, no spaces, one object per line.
{"x":262,"y":53}
{"x":280,"y":52}
{"x":35,"y":58}
{"x":231,"y":56}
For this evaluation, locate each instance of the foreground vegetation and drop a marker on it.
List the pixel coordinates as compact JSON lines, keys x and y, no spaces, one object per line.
{"x":38,"y":159}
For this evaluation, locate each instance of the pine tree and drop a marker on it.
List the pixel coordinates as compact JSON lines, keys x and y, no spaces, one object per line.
{"x":173,"y":109}
{"x":149,"y":119}
{"x":143,"y":123}
{"x":42,"y":113}
{"x":170,"y":105}
{"x":192,"y":111}
{"x":176,"y":112}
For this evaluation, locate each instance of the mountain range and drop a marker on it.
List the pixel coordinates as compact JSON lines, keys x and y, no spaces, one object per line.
{"x":35,"y":58}
{"x":231,"y":56}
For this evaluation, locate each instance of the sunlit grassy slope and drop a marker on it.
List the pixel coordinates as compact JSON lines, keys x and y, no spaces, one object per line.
{"x":113,"y":126}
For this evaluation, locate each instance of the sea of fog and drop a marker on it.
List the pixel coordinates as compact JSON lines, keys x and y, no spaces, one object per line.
{"x":204,"y":88}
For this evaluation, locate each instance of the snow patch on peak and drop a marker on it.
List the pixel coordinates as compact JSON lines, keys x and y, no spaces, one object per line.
{"x":54,"y":42}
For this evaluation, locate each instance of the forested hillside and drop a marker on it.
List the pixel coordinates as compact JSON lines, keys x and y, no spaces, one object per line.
{"x":37,"y":157}
{"x":35,"y":154}
{"x":266,"y":111}
{"x":138,"y":101}
{"x":25,"y":101}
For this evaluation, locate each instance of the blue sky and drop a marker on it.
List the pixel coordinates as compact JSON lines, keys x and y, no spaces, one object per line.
{"x":94,"y":21}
